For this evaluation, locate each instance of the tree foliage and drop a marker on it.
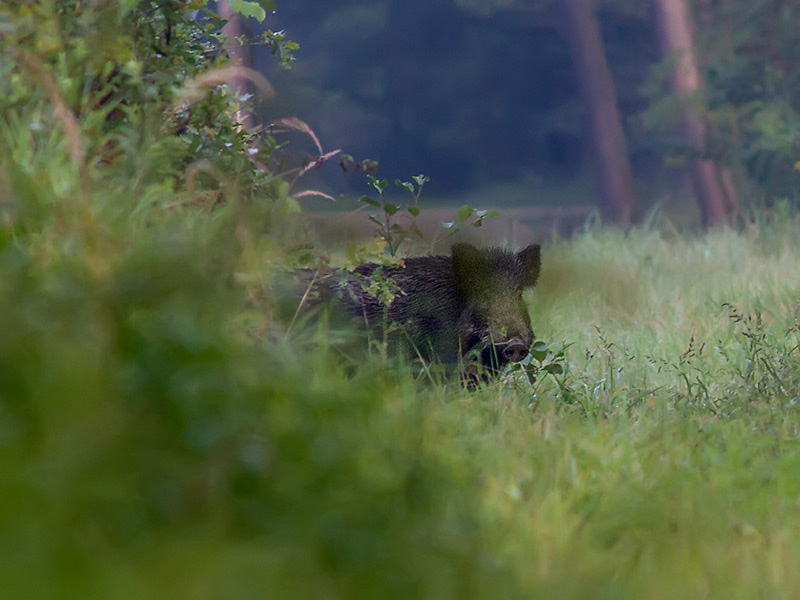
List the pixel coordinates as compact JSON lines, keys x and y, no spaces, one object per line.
{"x":754,"y":91}
{"x":138,"y":92}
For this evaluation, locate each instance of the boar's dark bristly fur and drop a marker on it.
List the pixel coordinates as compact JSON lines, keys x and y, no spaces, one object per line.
{"x":453,"y":309}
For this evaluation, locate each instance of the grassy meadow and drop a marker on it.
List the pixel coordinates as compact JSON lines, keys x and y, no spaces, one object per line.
{"x":162,"y":436}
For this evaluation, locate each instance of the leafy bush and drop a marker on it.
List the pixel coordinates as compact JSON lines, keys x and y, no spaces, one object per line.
{"x":138,"y":92}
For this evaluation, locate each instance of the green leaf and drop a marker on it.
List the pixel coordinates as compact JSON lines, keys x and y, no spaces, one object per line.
{"x":554,"y":369}
{"x":540,"y":345}
{"x":268,"y":5}
{"x":291,"y":207}
{"x":126,"y":6}
{"x":409,"y":187}
{"x":377,"y":220}
{"x":390,"y":208}
{"x":414,"y":210}
{"x":464,"y":213}
{"x":370,"y":201}
{"x":282,"y":189}
{"x":538,"y":355}
{"x":377,"y":184}
{"x":248,"y":9}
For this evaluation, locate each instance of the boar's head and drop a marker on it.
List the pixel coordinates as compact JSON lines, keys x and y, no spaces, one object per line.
{"x":495,"y":322}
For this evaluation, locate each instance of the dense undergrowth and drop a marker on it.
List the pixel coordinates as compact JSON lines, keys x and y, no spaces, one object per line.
{"x":161,"y":434}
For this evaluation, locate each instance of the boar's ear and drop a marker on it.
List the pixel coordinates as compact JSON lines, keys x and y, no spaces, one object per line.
{"x":468,"y":266}
{"x":531,"y":261}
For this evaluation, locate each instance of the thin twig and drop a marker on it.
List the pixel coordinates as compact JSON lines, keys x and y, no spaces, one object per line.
{"x":303,"y":299}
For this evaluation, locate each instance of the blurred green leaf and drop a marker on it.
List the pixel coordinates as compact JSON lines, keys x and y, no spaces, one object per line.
{"x":370,"y":201}
{"x":465,"y":212}
{"x":377,"y":184}
{"x":554,"y":369}
{"x":405,"y":185}
{"x":249,"y":9}
{"x":126,"y":6}
{"x":538,"y":355}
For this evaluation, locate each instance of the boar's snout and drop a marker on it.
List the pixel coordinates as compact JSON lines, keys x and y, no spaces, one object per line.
{"x":515,"y":350}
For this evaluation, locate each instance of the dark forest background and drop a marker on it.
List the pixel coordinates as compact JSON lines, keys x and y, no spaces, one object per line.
{"x":484,"y":97}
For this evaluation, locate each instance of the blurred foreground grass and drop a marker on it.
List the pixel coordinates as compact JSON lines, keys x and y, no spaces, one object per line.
{"x":159,"y":437}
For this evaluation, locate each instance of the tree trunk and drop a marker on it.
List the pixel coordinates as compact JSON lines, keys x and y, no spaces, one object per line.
{"x":600,"y":99}
{"x":239,"y":56}
{"x":712,"y":182}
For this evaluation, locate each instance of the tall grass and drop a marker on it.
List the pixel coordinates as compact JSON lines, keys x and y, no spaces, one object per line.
{"x":702,"y":320}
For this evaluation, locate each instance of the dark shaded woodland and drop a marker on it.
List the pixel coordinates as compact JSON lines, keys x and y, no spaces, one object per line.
{"x":481,"y":95}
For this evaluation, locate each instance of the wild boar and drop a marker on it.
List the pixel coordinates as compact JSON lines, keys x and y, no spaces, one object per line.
{"x":466,"y":308}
